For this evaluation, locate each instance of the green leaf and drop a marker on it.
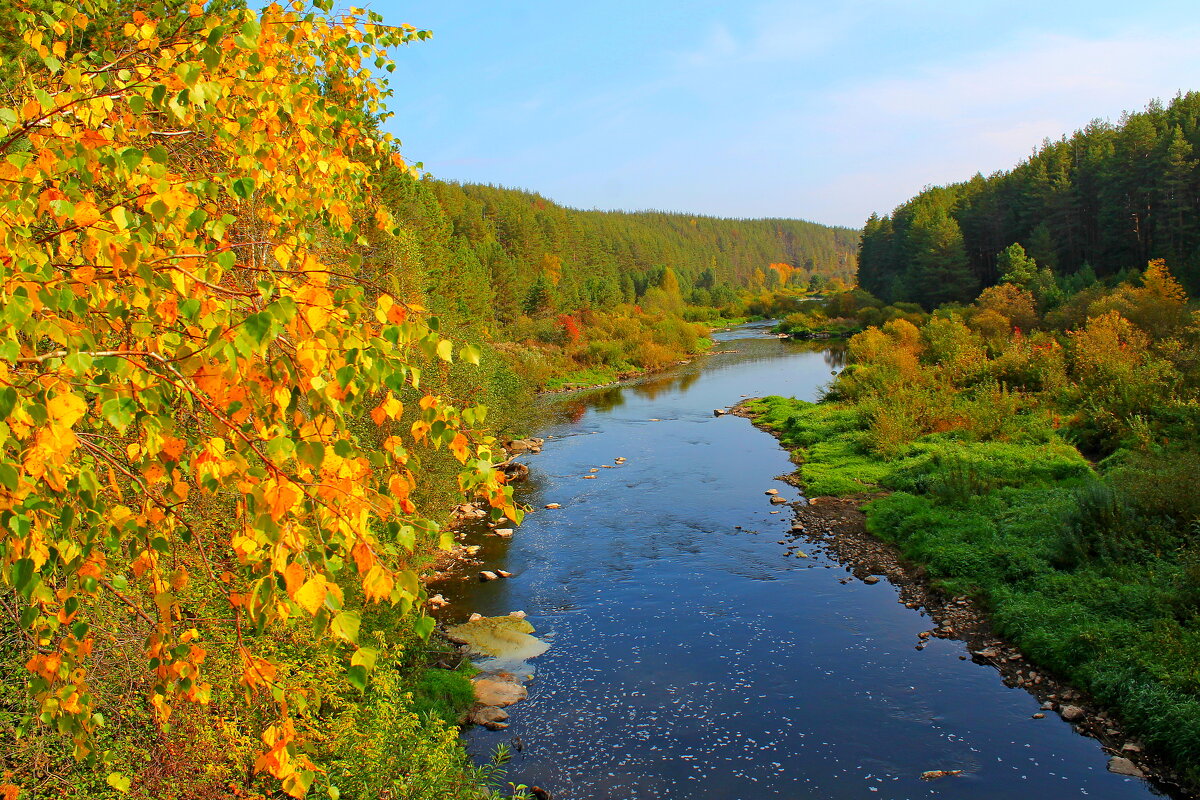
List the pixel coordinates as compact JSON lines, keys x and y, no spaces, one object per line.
{"x":357,"y":675}
{"x":8,"y":477}
{"x":445,"y":350}
{"x":365,"y":657}
{"x":243,"y":187}
{"x":8,"y":399}
{"x":423,"y":626}
{"x":345,"y":626}
{"x":469,"y":353}
{"x":22,"y":573}
{"x":119,"y":412}
{"x":118,"y":781}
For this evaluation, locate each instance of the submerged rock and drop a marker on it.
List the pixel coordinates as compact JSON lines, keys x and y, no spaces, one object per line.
{"x":499,"y":693}
{"x":1123,"y":766}
{"x":934,"y":774}
{"x":507,"y":637}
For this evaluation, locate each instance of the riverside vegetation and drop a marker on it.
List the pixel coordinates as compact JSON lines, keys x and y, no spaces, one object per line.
{"x":1039,"y":447}
{"x":249,"y":359}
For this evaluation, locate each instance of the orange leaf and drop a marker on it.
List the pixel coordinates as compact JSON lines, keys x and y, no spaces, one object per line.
{"x":85,"y":214}
{"x":9,"y":791}
{"x":364,"y":558}
{"x":460,"y":448}
{"x":293,"y":576}
{"x":377,"y":585}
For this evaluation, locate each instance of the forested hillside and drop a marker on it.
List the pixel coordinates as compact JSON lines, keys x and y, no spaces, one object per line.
{"x":590,"y":295}
{"x":1105,"y":200}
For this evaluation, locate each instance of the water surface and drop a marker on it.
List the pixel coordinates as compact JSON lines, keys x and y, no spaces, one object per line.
{"x":692,"y":658}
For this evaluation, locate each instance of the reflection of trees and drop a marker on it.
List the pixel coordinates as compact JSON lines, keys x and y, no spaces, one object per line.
{"x":835,"y":356}
{"x":652,"y":386}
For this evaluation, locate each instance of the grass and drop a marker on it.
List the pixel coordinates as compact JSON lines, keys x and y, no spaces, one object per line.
{"x":1092,"y":590}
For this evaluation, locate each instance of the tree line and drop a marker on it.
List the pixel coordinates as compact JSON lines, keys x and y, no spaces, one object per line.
{"x":1096,"y":204}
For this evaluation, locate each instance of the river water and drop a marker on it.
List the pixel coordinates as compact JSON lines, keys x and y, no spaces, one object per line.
{"x":692,"y":657}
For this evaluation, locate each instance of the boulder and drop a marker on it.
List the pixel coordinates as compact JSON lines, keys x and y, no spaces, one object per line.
{"x":503,"y":533}
{"x":871,"y":579}
{"x":553,"y":505}
{"x":1072,"y":713}
{"x":771,"y":492}
{"x":487,"y":716}
{"x":777,"y":500}
{"x":719,"y":412}
{"x":488,"y":575}
{"x":474,"y":617}
{"x":504,"y":573}
{"x":437,"y":601}
{"x":500,"y":693}
{"x":1123,"y":766}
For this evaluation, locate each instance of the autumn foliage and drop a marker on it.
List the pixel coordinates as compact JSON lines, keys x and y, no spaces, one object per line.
{"x":199,"y":396}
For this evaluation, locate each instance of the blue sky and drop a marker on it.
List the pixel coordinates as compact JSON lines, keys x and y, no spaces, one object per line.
{"x":820,"y":110}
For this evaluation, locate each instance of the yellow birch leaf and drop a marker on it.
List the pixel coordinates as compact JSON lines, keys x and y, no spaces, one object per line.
{"x":311,"y":595}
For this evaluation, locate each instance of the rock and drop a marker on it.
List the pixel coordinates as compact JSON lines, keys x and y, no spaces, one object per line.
{"x":504,"y":573}
{"x":987,"y":652}
{"x":1072,"y":713}
{"x":474,"y":617}
{"x":492,"y":692}
{"x":1123,"y":766}
{"x":471,"y":549}
{"x":934,"y":774}
{"x":719,"y":412}
{"x":1039,"y":715}
{"x":539,"y":793}
{"x":771,"y":491}
{"x":437,"y":601}
{"x":513,"y":471}
{"x":778,"y":501}
{"x":871,"y":579}
{"x":530,"y":445}
{"x":1130,"y":747}
{"x":1048,"y":706}
{"x":619,"y":459}
{"x":553,"y":505}
{"x":801,"y":554}
{"x":589,"y":477}
{"x":487,"y":715}
{"x":488,"y":575}
{"x":503,"y":533}
{"x":594,"y":469}
{"x":517,"y":614}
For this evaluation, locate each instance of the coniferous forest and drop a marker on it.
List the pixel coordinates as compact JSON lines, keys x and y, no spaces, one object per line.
{"x":1100,"y":203}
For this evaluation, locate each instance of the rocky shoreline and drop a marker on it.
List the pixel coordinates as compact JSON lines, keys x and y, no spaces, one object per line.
{"x":838,"y":525}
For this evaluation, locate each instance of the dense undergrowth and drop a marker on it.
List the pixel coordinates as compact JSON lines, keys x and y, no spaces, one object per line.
{"x":968,"y":435}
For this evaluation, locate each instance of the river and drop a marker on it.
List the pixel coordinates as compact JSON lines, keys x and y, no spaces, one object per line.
{"x":692,"y":657}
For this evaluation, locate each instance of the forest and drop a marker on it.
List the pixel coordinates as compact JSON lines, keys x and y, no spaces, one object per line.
{"x":1100,"y":203}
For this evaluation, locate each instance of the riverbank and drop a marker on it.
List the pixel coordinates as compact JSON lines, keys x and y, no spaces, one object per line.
{"x":975,"y":568}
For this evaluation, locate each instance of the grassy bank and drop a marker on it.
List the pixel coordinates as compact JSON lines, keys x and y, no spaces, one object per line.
{"x":1018,"y":524}
{"x":1045,"y":462}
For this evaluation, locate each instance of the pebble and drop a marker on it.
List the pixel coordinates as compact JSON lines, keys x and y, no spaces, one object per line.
{"x":871,"y":579}
{"x":552,"y":505}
